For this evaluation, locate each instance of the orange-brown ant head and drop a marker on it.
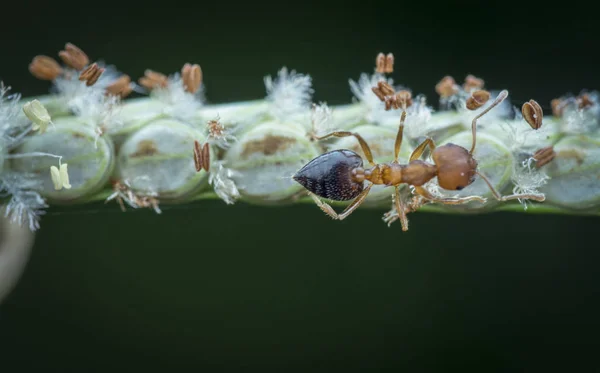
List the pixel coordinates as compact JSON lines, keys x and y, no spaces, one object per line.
{"x":456,"y":167}
{"x":331,"y":176}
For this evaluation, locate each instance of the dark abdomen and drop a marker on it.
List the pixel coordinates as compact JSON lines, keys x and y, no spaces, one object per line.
{"x":330,"y":175}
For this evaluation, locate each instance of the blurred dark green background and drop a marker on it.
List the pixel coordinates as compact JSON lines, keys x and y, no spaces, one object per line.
{"x":285,"y":288}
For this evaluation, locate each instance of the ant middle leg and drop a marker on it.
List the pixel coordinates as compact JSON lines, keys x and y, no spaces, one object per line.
{"x":363,"y":144}
{"x":447,"y":200}
{"x":326,"y":208}
{"x":540,"y":197}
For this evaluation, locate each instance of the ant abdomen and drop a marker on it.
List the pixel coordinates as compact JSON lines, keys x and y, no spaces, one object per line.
{"x":330,"y":175}
{"x":456,"y":167}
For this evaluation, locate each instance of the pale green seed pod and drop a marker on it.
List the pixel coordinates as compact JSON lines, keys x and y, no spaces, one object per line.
{"x":236,"y":115}
{"x":346,"y":117}
{"x":133,"y":115}
{"x":159,"y":159}
{"x":90,"y":159}
{"x":381,"y":141}
{"x":574,"y":173}
{"x":494,"y":160}
{"x":266,"y":157}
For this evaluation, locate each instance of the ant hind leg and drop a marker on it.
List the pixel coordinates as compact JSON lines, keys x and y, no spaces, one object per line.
{"x":447,"y":200}
{"x":363,"y":144}
{"x":326,"y":208}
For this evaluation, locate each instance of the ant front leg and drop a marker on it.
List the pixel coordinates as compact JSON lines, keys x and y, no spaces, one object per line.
{"x":326,"y":208}
{"x":447,"y":200}
{"x":421,"y":148}
{"x":398,"y":143}
{"x":401,"y":209}
{"x":540,"y":197}
{"x":363,"y":144}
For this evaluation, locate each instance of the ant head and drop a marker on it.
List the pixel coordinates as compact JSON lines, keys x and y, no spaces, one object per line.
{"x":456,"y":166}
{"x":330,"y":175}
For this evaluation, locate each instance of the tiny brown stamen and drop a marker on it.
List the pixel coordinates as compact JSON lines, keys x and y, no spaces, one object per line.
{"x":382,"y":90}
{"x":403,"y":99}
{"x":446,"y":87}
{"x":384,"y":64}
{"x":380,"y":63}
{"x":557,"y":105}
{"x":473,"y":83}
{"x":91,"y":74}
{"x":533,"y":114}
{"x":215,"y":128}
{"x":74,"y":57}
{"x":45,"y":68}
{"x":544,"y":156}
{"x":153,"y":79}
{"x":120,"y":87}
{"x":584,"y":101}
{"x":201,"y":156}
{"x":477,"y":99}
{"x":192,"y":77}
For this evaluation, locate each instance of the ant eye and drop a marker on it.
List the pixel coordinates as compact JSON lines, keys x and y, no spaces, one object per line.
{"x":330,"y":175}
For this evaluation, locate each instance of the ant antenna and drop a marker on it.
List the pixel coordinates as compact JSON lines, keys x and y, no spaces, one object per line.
{"x":501,"y":96}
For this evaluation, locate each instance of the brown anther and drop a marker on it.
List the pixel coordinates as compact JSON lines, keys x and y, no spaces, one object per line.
{"x":382,"y":90}
{"x":544,"y":156}
{"x":557,"y":105}
{"x":533,"y":114}
{"x":477,"y":99}
{"x":380,"y":63}
{"x":45,"y":68}
{"x":91,"y":74}
{"x":153,"y":79}
{"x":74,"y":57}
{"x":201,"y":156}
{"x":384,"y":64}
{"x":473,"y":83}
{"x":584,"y":101}
{"x":403,"y":99}
{"x":192,"y":77}
{"x":446,"y":87}
{"x":120,"y":87}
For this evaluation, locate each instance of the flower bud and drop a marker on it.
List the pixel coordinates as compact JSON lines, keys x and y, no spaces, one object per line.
{"x":89,"y":167}
{"x":159,"y":159}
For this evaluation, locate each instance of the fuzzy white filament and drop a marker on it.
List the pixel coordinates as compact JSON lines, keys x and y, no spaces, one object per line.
{"x":289,"y":94}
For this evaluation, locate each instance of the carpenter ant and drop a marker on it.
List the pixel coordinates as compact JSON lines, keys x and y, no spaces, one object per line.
{"x":339,"y":175}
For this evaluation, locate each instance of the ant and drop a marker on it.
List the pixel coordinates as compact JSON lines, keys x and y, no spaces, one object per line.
{"x":339,"y":175}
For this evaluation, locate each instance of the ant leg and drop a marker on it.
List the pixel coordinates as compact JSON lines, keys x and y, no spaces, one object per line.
{"x":347,"y":211}
{"x":540,"y":197}
{"x":421,"y":148}
{"x":363,"y":144}
{"x":400,"y":208}
{"x":398,"y":143}
{"x":501,"y":96}
{"x":447,"y":200}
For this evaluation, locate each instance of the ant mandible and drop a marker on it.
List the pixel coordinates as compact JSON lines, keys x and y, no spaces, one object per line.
{"x":339,"y":175}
